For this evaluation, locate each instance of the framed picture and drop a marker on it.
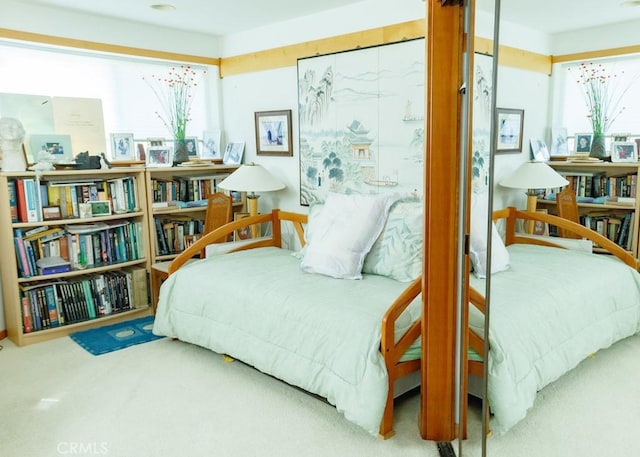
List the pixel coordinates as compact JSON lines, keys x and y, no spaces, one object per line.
{"x":559,"y":144}
{"x":273,"y":133}
{"x":233,"y":153}
{"x":191,"y":143}
{"x":122,"y":147}
{"x":159,"y":156}
{"x":583,"y":143}
{"x":50,"y":213}
{"x":211,"y":145}
{"x":245,"y":232}
{"x":57,"y":145}
{"x":620,"y":137}
{"x":100,"y":208}
{"x":541,"y":228}
{"x":624,"y":151}
{"x":510,"y":125}
{"x":539,"y":150}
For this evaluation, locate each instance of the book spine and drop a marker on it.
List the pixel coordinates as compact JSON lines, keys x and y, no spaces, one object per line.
{"x":52,"y":306}
{"x":26,"y":315}
{"x":13,"y":200}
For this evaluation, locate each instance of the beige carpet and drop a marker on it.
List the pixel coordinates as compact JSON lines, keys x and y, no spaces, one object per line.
{"x":167,"y":398}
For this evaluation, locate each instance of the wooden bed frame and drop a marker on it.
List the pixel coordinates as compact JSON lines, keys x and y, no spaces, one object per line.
{"x":391,"y":351}
{"x":510,"y":215}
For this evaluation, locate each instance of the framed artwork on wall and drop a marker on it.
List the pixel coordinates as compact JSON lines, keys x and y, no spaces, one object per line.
{"x":273,"y":133}
{"x":510,"y":126}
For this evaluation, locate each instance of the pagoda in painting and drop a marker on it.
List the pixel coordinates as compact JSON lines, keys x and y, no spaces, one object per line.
{"x":360,"y":142}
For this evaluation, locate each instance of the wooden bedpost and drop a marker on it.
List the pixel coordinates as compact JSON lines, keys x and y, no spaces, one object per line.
{"x":444,"y":49}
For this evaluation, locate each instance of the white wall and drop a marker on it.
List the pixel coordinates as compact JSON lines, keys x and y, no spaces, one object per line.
{"x":605,"y":37}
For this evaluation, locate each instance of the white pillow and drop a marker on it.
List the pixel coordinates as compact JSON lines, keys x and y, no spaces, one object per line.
{"x":397,"y":253}
{"x":478,"y":240}
{"x":341,"y":232}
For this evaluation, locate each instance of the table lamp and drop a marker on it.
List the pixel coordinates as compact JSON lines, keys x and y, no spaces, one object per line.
{"x":251,"y":178}
{"x":533,"y":175}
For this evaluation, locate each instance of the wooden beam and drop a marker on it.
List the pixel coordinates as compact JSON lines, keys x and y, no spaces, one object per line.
{"x":581,"y":56}
{"x":287,"y":56}
{"x":444,"y":47}
{"x":514,"y":57}
{"x":105,"y":47}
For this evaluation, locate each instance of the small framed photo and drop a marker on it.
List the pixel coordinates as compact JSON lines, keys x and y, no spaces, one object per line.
{"x":191,"y":143}
{"x":233,"y":153}
{"x":624,"y":151}
{"x":244,"y":233}
{"x":122,"y":147}
{"x":541,"y":228}
{"x":159,"y":156}
{"x":100,"y":208}
{"x":211,"y":145}
{"x":510,"y":125}
{"x":57,"y":145}
{"x":51,"y":213}
{"x":273,"y":133}
{"x":583,"y":143}
{"x":539,"y":150}
{"x":620,"y":137}
{"x":559,"y":143}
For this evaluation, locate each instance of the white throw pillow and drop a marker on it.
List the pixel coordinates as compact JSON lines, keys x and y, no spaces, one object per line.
{"x":478,"y":240}
{"x":341,"y":232}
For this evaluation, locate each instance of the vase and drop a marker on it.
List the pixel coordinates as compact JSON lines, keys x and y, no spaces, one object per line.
{"x":599,"y":148}
{"x":180,"y":153}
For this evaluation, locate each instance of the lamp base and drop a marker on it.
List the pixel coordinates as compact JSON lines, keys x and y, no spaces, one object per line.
{"x":252,"y":203}
{"x":532,"y":203}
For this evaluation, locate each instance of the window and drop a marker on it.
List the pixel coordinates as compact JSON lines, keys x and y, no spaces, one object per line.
{"x":128,"y":103}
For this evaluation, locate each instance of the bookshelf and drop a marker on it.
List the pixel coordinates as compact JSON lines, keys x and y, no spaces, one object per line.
{"x":101,"y":272}
{"x":177,"y":205}
{"x":613,"y":186}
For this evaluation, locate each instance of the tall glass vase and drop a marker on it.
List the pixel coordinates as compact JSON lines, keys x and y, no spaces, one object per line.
{"x":599,"y":148}
{"x":180,"y":153}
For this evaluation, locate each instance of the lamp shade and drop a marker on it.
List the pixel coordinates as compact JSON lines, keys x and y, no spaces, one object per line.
{"x":251,"y":177}
{"x":534,"y":175}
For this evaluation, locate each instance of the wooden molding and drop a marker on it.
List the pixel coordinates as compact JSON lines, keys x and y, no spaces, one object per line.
{"x":596,"y":54}
{"x":287,"y":56}
{"x":514,"y":57}
{"x":105,"y":47}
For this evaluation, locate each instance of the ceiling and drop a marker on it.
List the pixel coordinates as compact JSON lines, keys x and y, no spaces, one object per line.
{"x":220,"y":17}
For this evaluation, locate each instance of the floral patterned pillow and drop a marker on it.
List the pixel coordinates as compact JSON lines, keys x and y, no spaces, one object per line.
{"x":397,"y":253}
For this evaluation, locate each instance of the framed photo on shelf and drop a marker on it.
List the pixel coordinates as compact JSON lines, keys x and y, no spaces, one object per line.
{"x":510,"y":125}
{"x":122,"y":147}
{"x":51,"y":213}
{"x":245,"y":232}
{"x":159,"y":156}
{"x":273,"y":133}
{"x":211,"y":145}
{"x":233,"y":153}
{"x":620,"y":136}
{"x":624,"y":151}
{"x":559,"y":143}
{"x":191,"y":143}
{"x":100,"y":208}
{"x":539,"y":150}
{"x":583,"y":143}
{"x":57,"y":145}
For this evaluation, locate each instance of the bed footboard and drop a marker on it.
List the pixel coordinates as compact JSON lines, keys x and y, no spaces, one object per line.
{"x":392,"y":351}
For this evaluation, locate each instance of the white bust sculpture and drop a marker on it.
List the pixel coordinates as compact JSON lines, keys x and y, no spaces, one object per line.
{"x":11,"y":136}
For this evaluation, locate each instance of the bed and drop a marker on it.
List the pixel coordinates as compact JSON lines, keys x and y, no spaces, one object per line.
{"x":345,"y":341}
{"x":549,"y":310}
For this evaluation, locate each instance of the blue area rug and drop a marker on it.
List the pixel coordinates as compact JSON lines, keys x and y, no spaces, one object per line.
{"x":111,"y":338}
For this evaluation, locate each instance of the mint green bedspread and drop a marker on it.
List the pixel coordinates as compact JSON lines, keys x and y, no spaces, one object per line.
{"x":549,"y":311}
{"x":312,"y":331}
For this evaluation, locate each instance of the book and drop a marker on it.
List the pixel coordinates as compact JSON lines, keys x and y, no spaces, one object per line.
{"x":53,"y":265}
{"x":13,"y":200}
{"x":139,"y":286}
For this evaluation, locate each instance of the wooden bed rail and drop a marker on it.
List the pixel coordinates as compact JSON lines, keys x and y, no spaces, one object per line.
{"x":276,"y":217}
{"x":392,"y":351}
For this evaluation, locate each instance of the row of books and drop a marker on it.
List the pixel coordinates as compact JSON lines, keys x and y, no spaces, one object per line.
{"x":185,"y":189}
{"x":617,"y":228}
{"x":599,"y":185}
{"x":77,"y":247}
{"x":59,"y":303}
{"x":175,"y":234}
{"x":27,"y":196}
